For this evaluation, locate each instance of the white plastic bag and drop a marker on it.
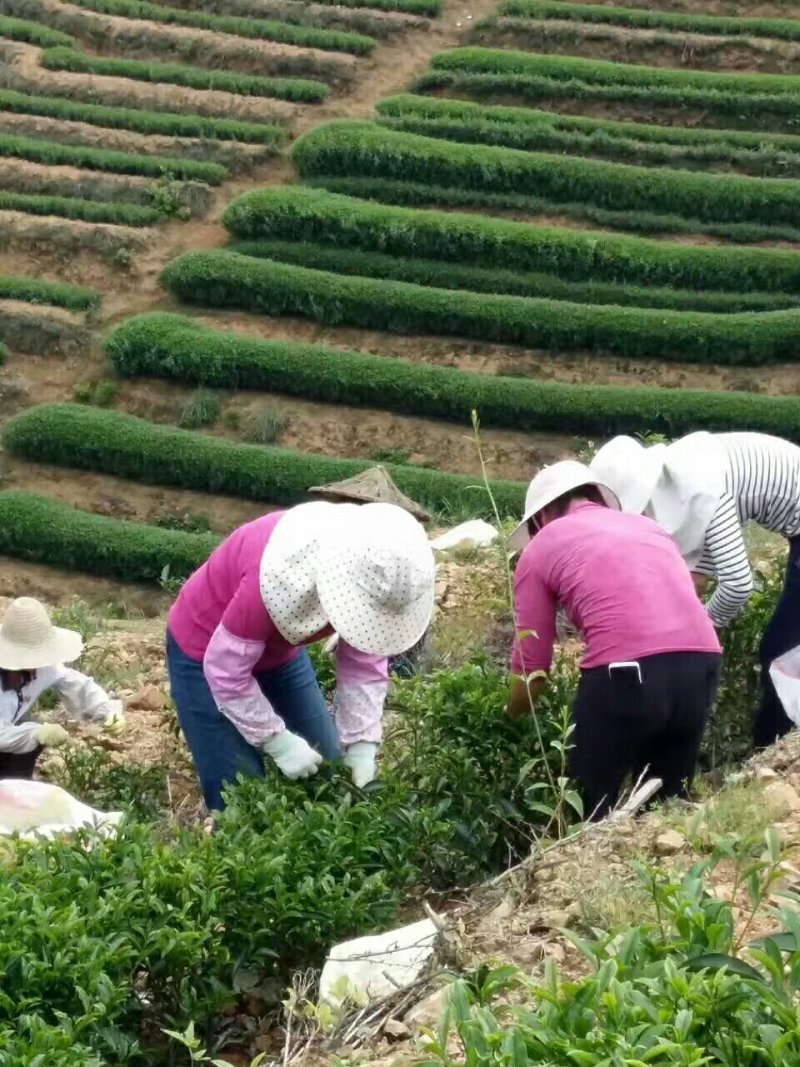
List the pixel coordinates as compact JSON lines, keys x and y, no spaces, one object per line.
{"x":785,"y":674}
{"x":373,"y":967}
{"x":475,"y":534}
{"x":38,"y":809}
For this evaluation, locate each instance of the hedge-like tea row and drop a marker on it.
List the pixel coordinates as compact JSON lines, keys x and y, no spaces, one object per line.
{"x":366,"y":150}
{"x":170,"y":124}
{"x":298,"y":89}
{"x":38,"y":528}
{"x":420,"y":194}
{"x":33,"y":33}
{"x":56,"y":294}
{"x":260,"y":29}
{"x":784,"y":29}
{"x":54,"y":153}
{"x":603,"y":72}
{"x":459,"y":276}
{"x":67,"y":207}
{"x":539,"y":87}
{"x":527,"y":128}
{"x":302,"y":214}
{"x":71,"y":435}
{"x":414,"y":7}
{"x":226,"y":279}
{"x":174,"y":347}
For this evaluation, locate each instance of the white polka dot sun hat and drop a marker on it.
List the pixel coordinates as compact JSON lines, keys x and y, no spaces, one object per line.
{"x":366,"y":570}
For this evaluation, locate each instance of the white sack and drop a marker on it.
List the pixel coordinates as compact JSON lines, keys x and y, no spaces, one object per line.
{"x":475,"y":533}
{"x":373,"y":967}
{"x":785,"y":674}
{"x":38,"y":809}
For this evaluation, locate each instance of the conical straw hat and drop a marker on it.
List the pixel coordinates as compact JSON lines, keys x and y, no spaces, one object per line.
{"x":373,"y":486}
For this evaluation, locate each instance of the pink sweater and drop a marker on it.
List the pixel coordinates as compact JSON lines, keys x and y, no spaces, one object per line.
{"x":220,"y":619}
{"x":622,"y":582}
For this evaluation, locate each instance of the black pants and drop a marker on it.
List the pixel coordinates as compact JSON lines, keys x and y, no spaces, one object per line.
{"x":19,"y":764}
{"x":781,"y":634}
{"x":622,"y":726}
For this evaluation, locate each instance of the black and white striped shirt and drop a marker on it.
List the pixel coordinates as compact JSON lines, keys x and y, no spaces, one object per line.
{"x":762,"y":485}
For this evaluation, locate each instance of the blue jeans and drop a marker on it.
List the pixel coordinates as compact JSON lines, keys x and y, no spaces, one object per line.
{"x":219,"y":751}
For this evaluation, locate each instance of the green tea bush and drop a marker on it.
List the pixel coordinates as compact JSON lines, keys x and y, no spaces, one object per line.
{"x":603,"y":72}
{"x":302,"y":214}
{"x":170,"y":346}
{"x":43,"y":530}
{"x":4,"y":353}
{"x":112,"y":443}
{"x":530,"y":129}
{"x":445,"y":275}
{"x":640,"y":18}
{"x":298,"y":89}
{"x":33,"y":33}
{"x":421,"y":194}
{"x":141,"y":121}
{"x":260,"y":29}
{"x":225,"y":279}
{"x":361,"y":149}
{"x":92,"y":775}
{"x":57,"y":294}
{"x":415,"y":7}
{"x":715,"y":102}
{"x":54,"y":153}
{"x":120,"y":213}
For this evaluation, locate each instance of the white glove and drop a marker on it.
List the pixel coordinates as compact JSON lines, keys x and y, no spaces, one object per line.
{"x":294,"y":756}
{"x":50,"y":734}
{"x":360,"y":759}
{"x":115,"y":720}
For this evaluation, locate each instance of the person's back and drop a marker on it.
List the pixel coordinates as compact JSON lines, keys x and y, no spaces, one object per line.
{"x":621,"y":581}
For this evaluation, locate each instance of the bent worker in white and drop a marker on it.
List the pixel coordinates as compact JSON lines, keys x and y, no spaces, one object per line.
{"x":703,"y":489}
{"x":32,"y":656}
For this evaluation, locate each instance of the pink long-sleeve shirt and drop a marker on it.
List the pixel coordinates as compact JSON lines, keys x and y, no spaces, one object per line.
{"x":220,"y":619}
{"x":621,"y":581}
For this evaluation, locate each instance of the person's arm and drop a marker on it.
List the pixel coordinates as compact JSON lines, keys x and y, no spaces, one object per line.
{"x":535,"y":608}
{"x":362,"y":682}
{"x":85,"y":699}
{"x":725,"y":555}
{"x":233,"y":652}
{"x":20,"y":738}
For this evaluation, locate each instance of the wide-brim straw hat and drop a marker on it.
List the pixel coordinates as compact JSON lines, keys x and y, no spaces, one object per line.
{"x":551,"y":483}
{"x":29,"y":641}
{"x":366,"y":570}
{"x":631,"y":469}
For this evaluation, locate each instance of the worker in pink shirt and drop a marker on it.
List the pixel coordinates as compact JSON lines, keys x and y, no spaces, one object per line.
{"x":243,"y":683}
{"x":651,"y":662}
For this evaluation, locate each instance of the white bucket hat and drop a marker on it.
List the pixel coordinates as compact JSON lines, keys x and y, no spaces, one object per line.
{"x":368,"y":571}
{"x":29,"y":641}
{"x":551,"y":483}
{"x":631,"y":470}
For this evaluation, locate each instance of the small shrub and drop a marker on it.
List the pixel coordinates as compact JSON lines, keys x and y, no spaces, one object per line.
{"x":202,"y":409}
{"x":265,"y":426}
{"x":185,"y":521}
{"x":392,"y":454}
{"x":92,"y":775}
{"x":100,"y":394}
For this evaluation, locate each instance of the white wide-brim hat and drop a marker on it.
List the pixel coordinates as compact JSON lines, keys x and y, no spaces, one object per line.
{"x":551,"y":483}
{"x":366,"y":570}
{"x":29,"y":641}
{"x":631,"y":470}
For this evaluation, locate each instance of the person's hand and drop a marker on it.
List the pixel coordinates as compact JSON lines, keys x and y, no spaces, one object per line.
{"x":293,"y":755}
{"x":51,"y":735}
{"x":360,"y":760}
{"x":114,"y":724}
